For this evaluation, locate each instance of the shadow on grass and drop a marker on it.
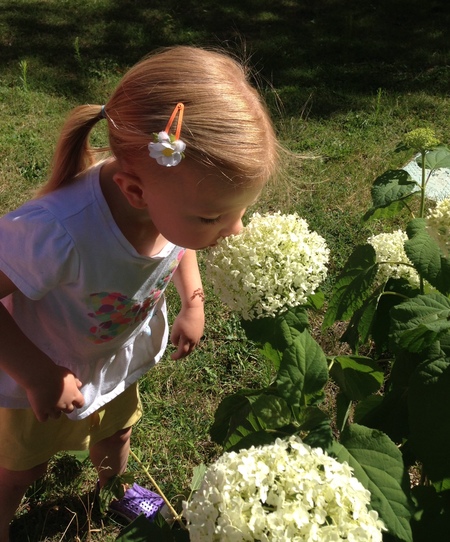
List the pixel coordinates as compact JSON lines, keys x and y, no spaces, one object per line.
{"x":62,"y":519}
{"x":61,"y":505}
{"x":301,"y":46}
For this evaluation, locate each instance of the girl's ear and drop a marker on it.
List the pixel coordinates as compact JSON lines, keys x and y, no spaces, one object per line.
{"x":131,"y":188}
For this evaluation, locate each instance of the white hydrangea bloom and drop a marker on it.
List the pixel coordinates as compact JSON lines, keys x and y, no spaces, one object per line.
{"x":438,"y":225}
{"x":279,"y":492}
{"x":391,"y":255}
{"x":273,"y":264}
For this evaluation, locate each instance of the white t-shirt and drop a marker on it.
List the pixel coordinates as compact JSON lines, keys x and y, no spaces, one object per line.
{"x":85,"y":296}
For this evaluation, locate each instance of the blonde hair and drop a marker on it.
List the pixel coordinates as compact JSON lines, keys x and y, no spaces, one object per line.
{"x":225,"y":124}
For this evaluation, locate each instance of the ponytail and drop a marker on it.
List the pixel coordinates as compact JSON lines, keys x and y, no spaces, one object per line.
{"x":73,"y":153}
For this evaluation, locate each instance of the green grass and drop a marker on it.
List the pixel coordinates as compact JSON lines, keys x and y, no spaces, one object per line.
{"x":344,"y":80}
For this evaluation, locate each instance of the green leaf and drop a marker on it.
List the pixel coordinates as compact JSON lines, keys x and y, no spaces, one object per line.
{"x":378,"y":465}
{"x":442,"y":485}
{"x":258,"y":438}
{"x":316,"y":300}
{"x":142,"y":530}
{"x":386,"y":211}
{"x":405,"y":363}
{"x":247,"y":412}
{"x":389,"y":193}
{"x":421,"y":321}
{"x":429,"y":409}
{"x":437,"y":158}
{"x":365,"y":408}
{"x":270,"y":330}
{"x":303,"y":370}
{"x":353,"y":286}
{"x":292,"y":323}
{"x":310,"y":418}
{"x":425,"y":334}
{"x":272,"y":355}
{"x":114,"y":489}
{"x":244,"y":424}
{"x":394,"y":293}
{"x":444,"y":344}
{"x":230,"y":411}
{"x":272,"y":411}
{"x":356,"y":376}
{"x":321,"y":436}
{"x":343,"y":408}
{"x":392,"y":186}
{"x":426,"y":256}
{"x":262,"y":331}
{"x":387,"y":413}
{"x":360,"y":325}
{"x":401,"y":147}
{"x":197,"y":477}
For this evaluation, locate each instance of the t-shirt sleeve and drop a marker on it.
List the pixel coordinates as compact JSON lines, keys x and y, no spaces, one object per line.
{"x":36,"y":251}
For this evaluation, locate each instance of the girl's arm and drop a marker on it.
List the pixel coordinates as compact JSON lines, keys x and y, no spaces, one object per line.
{"x":51,"y":389}
{"x":187,"y":328}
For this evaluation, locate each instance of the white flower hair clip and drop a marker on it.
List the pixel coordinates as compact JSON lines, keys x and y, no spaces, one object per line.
{"x":168,"y":149}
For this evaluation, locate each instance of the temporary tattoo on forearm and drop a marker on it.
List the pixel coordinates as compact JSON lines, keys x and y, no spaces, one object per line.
{"x":198,"y":293}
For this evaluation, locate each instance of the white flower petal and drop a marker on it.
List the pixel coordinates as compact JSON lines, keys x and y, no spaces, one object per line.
{"x":166,"y":152}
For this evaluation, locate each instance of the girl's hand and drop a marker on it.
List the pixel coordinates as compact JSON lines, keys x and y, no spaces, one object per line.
{"x":187,"y":330}
{"x":56,"y":392}
{"x":50,"y":388}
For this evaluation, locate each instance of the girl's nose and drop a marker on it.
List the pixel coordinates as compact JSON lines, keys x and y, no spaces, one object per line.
{"x":233,"y":228}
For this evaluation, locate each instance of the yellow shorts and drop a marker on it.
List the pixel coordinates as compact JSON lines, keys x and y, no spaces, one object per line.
{"x":26,"y":443}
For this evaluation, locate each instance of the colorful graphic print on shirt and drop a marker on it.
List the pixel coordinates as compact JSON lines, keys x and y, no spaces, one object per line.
{"x":115,"y":313}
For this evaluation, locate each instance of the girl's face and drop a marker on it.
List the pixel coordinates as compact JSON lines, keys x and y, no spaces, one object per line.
{"x":193,"y":206}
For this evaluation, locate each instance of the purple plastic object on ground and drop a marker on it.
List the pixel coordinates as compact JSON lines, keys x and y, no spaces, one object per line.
{"x":137,"y":500}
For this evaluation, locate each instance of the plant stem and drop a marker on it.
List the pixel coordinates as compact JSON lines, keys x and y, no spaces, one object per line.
{"x":422,"y":205}
{"x":176,"y":516}
{"x":422,"y":195}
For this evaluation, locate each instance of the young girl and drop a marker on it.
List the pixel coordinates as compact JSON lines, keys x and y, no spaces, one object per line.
{"x":83,"y":267}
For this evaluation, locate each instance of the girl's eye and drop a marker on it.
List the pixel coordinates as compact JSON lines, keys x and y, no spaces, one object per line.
{"x":210,"y":220}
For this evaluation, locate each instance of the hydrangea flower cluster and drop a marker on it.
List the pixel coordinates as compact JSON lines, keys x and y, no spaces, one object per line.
{"x":421,"y":139}
{"x":438,"y":225}
{"x":391,"y":255}
{"x":278,"y":492}
{"x":275,"y":263}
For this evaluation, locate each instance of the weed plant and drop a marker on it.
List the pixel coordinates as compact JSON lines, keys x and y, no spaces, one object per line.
{"x":342,"y":80}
